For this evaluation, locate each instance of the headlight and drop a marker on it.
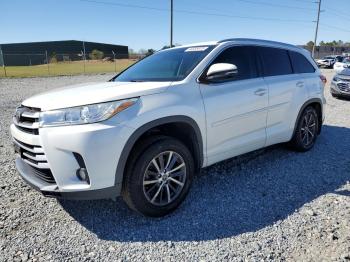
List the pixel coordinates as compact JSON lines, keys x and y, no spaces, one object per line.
{"x":84,"y":114}
{"x":336,"y":79}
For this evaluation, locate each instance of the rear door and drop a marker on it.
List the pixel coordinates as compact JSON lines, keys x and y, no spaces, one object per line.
{"x":286,"y":90}
{"x":236,"y":109}
{"x":302,"y":66}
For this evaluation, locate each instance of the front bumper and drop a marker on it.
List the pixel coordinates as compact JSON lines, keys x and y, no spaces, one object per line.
{"x":340,"y":88}
{"x":324,"y":64}
{"x":99,"y":145}
{"x":52,"y":190}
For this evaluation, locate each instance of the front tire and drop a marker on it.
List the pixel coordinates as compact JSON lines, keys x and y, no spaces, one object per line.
{"x":158,"y":179}
{"x":306,"y":131}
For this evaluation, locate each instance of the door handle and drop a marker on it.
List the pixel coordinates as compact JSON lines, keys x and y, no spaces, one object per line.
{"x":260,"y":92}
{"x":300,"y":84}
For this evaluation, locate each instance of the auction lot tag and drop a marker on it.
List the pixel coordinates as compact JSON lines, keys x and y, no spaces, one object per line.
{"x":196,"y":49}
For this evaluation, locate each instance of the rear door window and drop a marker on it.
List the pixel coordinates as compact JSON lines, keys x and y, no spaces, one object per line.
{"x":300,"y":63}
{"x":275,"y":61}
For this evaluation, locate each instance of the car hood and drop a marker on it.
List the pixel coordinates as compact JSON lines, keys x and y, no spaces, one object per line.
{"x":92,"y":93}
{"x":345,"y":75}
{"x":324,"y":60}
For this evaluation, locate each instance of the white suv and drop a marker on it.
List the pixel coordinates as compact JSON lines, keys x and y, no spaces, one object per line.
{"x":145,"y":133}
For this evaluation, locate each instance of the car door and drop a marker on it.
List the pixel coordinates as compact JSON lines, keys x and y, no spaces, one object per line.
{"x":301,"y":66}
{"x":236,"y":109}
{"x":286,"y":91}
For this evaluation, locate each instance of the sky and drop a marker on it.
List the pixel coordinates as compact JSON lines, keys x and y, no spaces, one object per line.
{"x":145,"y":23}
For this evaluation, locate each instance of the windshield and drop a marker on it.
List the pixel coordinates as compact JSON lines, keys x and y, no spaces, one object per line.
{"x":168,"y":65}
{"x":328,"y":57}
{"x":346,"y":60}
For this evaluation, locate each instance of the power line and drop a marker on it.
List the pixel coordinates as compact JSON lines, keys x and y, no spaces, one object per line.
{"x":276,"y":5}
{"x":335,"y":27}
{"x":338,"y":12}
{"x":226,"y":15}
{"x":305,"y":1}
{"x":197,"y":12}
{"x":340,"y":16}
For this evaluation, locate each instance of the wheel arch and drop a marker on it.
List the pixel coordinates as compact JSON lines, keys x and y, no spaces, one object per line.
{"x":139,"y":132}
{"x":317,"y":104}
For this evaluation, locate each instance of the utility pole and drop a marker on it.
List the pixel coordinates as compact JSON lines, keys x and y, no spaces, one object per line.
{"x":2,"y":60}
{"x":171,"y":23}
{"x":317,"y":22}
{"x":115,"y":61}
{"x":84,"y":56}
{"x":47,"y":62}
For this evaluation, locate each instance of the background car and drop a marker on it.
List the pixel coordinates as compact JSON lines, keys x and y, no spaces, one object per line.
{"x":340,"y":86}
{"x":342,"y":67}
{"x":329,"y":61}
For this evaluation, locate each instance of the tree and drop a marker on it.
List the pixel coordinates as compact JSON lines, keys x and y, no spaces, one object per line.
{"x":310,"y":44}
{"x":131,"y":51}
{"x":150,"y":51}
{"x":53,"y":57}
{"x":142,"y":51}
{"x":96,"y":54}
{"x":165,"y":47}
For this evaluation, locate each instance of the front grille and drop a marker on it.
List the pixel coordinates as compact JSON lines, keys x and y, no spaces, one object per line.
{"x":35,"y":157}
{"x":344,"y":87}
{"x":44,"y":174}
{"x":26,"y":119}
{"x":32,"y":155}
{"x":345,"y":79}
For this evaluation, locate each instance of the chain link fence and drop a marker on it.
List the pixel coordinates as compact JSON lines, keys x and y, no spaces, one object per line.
{"x":23,"y":64}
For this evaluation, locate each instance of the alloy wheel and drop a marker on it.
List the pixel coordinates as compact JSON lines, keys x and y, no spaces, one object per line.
{"x":308,"y":129}
{"x":164,"y":178}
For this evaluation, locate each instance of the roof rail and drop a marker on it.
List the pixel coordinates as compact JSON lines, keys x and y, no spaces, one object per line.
{"x":256,"y":40}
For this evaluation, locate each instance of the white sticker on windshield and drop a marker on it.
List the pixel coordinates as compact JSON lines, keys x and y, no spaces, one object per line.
{"x":196,"y":49}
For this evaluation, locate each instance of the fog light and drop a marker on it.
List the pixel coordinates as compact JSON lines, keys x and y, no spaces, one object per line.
{"x":82,"y":174}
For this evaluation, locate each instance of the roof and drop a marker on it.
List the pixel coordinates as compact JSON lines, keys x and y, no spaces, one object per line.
{"x":260,"y":41}
{"x":198,"y":44}
{"x":245,"y":40}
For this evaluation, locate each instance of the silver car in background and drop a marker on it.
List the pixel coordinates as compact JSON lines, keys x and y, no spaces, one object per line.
{"x":340,"y":86}
{"x":328,"y":61}
{"x":342,"y":67}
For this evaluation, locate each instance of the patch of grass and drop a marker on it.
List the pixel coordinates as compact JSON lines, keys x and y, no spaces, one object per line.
{"x":67,"y":68}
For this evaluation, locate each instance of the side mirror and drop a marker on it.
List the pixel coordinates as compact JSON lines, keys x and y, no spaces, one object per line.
{"x":221,"y":71}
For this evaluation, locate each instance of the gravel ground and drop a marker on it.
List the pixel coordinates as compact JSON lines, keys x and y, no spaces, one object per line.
{"x":273,"y":204}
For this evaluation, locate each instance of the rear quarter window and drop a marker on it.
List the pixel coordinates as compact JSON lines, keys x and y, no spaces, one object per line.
{"x":300,"y":63}
{"x":275,"y":61}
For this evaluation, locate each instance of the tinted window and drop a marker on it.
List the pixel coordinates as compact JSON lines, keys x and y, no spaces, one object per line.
{"x":241,"y":56}
{"x":168,"y":65}
{"x":275,"y":61}
{"x":300,"y":63}
{"x":339,"y":58}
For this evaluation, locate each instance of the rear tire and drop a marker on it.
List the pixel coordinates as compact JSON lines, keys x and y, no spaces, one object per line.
{"x":158,"y":176}
{"x":306,"y":131}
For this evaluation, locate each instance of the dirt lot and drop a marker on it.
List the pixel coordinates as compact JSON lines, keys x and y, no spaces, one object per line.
{"x":273,"y":204}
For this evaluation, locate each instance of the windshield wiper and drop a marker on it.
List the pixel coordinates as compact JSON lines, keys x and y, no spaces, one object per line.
{"x":136,"y":80}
